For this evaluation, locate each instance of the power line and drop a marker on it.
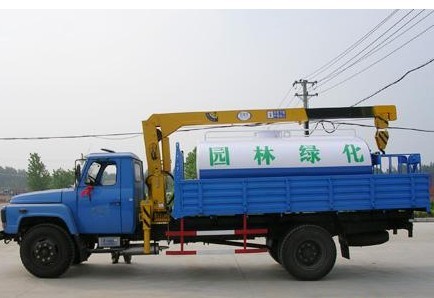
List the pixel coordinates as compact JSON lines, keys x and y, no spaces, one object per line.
{"x":284,"y":98}
{"x":332,"y":73}
{"x":378,"y":47}
{"x":292,"y":100}
{"x":384,"y":57}
{"x":70,"y":137}
{"x":134,"y":134}
{"x":393,"y":83}
{"x":363,"y":50}
{"x":350,"y":48}
{"x":336,"y":124}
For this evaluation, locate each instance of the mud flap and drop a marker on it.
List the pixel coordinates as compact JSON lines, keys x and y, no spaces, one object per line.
{"x":345,"y":249}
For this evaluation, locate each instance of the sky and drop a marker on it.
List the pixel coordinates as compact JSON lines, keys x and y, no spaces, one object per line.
{"x":78,"y":72}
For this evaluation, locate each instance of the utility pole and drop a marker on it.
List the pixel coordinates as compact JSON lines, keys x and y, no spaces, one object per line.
{"x":306,"y":96}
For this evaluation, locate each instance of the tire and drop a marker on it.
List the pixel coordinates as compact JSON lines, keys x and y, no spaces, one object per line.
{"x":308,"y":252}
{"x":273,"y":250}
{"x":47,"y":251}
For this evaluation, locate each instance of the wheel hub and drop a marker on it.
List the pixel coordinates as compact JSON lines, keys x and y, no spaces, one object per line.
{"x":45,"y":251}
{"x":308,"y":253}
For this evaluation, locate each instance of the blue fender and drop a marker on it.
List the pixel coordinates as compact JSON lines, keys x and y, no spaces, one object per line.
{"x":16,"y":213}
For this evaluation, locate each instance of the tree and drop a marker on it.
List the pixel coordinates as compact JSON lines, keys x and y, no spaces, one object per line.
{"x":12,"y":181}
{"x":428,"y":168}
{"x":190,"y":170}
{"x":61,"y":178}
{"x":38,"y":178}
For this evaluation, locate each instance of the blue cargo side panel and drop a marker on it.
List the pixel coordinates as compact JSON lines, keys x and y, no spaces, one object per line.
{"x":231,"y":196}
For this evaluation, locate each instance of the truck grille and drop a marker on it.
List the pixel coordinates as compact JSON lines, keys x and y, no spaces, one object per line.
{"x":3,"y":215}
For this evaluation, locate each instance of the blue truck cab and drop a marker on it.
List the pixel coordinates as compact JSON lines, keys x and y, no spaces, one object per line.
{"x":104,"y":200}
{"x":101,"y":208}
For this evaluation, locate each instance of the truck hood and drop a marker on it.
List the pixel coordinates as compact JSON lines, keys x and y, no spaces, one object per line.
{"x":39,"y":197}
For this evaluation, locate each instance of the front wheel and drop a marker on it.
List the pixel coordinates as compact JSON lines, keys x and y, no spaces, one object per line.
{"x":308,"y":252}
{"x":47,"y":251}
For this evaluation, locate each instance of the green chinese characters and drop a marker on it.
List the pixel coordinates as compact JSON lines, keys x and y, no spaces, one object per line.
{"x":352,"y":153}
{"x":264,"y":155}
{"x":309,"y":153}
{"x":219,"y":156}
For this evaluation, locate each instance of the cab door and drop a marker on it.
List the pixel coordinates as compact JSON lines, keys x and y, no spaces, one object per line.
{"x":99,"y":198}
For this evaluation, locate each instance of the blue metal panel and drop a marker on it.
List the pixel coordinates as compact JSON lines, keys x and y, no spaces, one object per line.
{"x":307,"y":194}
{"x":100,"y":212}
{"x":127,"y":198}
{"x":36,"y":197}
{"x":17,"y":212}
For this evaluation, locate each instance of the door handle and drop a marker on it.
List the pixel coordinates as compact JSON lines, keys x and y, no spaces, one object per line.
{"x":115,"y":203}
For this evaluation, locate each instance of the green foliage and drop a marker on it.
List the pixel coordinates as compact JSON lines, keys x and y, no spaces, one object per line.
{"x":422,"y":214}
{"x":190,"y":171}
{"x":61,"y":178}
{"x":428,"y":168}
{"x":12,"y":180}
{"x":169,"y":184}
{"x":38,"y":178}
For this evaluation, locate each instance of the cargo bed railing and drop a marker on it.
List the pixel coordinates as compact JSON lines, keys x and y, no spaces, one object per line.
{"x":179,"y":164}
{"x":396,"y":163}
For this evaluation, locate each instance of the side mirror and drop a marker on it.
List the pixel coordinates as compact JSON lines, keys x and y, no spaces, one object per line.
{"x":77,"y":173}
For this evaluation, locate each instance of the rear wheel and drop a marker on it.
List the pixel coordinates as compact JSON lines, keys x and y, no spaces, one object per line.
{"x":47,"y":251}
{"x":308,"y":252}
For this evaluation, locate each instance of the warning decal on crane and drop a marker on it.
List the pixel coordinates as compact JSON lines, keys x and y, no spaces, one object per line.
{"x":381,"y":137}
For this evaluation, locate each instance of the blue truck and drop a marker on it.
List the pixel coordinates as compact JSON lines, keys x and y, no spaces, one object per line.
{"x":113,"y":208}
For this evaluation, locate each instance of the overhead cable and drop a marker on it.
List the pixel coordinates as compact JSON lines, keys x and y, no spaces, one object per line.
{"x":340,"y":67}
{"x":335,"y":124}
{"x":284,"y":98}
{"x":350,"y":48}
{"x":382,"y":58}
{"x":378,"y":47}
{"x":69,"y":137}
{"x":393,"y":83}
